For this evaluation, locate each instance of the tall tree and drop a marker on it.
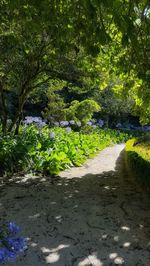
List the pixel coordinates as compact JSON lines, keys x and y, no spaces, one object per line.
{"x":40,"y":39}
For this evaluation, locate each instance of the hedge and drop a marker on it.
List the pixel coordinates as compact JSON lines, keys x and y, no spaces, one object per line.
{"x":138,"y":159}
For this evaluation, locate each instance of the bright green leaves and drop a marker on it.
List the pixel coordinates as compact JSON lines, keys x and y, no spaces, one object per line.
{"x":82,"y":111}
{"x":36,"y":151}
{"x":41,"y":40}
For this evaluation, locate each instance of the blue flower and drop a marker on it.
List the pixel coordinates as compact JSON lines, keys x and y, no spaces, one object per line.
{"x":64,"y":123}
{"x":13,"y":228}
{"x":68,"y":129}
{"x":16,"y":244}
{"x":2,"y":254}
{"x":11,"y":255}
{"x":7,"y":255}
{"x":52,"y":135}
{"x":10,"y":244}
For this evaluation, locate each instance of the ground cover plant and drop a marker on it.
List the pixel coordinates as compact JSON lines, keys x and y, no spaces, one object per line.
{"x":11,"y":243}
{"x":50,"y":150}
{"x":138,"y":158}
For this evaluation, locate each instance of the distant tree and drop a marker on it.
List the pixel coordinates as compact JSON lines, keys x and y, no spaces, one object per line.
{"x":55,"y":110}
{"x":113,"y":108}
{"x":82,"y":111}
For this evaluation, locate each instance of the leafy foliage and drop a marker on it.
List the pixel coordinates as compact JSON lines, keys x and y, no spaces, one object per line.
{"x":52,"y":150}
{"x":82,"y":111}
{"x":85,"y":42}
{"x":55,"y":110}
{"x":138,"y":158}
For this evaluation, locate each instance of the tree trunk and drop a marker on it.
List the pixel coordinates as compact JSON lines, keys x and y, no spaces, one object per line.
{"x":4,"y":110}
{"x":18,"y":125}
{"x":17,"y":120}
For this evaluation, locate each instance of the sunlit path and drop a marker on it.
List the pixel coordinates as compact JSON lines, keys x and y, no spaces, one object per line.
{"x":92,"y":215}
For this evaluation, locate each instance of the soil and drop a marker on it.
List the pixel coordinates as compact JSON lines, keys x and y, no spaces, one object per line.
{"x":91,"y":215}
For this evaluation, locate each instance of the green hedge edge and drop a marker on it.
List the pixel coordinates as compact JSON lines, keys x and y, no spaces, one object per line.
{"x":136,"y":164}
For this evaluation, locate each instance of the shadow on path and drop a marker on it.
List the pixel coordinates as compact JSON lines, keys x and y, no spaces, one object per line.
{"x":100,"y":219}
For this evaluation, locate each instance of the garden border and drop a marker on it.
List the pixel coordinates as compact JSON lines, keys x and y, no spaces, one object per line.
{"x":136,"y":165}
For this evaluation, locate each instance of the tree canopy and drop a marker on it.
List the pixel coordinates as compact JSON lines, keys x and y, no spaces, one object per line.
{"x":81,"y":42}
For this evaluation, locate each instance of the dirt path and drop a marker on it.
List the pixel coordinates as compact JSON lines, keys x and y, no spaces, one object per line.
{"x":92,"y":215}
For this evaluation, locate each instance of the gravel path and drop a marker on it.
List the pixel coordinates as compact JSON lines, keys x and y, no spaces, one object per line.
{"x":93,"y":215}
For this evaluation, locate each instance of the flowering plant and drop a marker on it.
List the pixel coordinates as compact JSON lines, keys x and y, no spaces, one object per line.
{"x":34,"y":120}
{"x":10,"y":243}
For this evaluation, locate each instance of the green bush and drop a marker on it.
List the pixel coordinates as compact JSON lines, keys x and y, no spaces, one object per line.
{"x":50,"y":150}
{"x":47,"y":150}
{"x":82,"y":111}
{"x":138,"y":158}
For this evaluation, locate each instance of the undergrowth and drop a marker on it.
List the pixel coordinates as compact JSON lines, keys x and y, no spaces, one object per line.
{"x":50,"y":150}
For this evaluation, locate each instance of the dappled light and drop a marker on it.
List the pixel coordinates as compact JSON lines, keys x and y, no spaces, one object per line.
{"x":116,"y":238}
{"x":35,"y":216}
{"x":113,"y":255}
{"x":26,"y":178}
{"x":33,"y":245}
{"x":126,"y":244}
{"x":52,"y":258}
{"x":125,"y":228}
{"x":74,"y":132}
{"x":94,"y":219}
{"x":119,"y":261}
{"x":52,"y":255}
{"x":91,"y":260}
{"x":116,"y":258}
{"x":53,"y":202}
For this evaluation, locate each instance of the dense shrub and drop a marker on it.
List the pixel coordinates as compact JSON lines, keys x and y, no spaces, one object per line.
{"x":50,"y":150}
{"x":138,"y":158}
{"x":82,"y":111}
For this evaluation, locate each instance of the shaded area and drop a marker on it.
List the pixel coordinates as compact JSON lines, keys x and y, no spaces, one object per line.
{"x":137,"y":158}
{"x":100,"y":219}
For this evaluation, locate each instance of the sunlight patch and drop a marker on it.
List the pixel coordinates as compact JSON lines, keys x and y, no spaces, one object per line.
{"x":125,"y":228}
{"x":45,"y":250}
{"x":112,"y":256}
{"x":91,"y":260}
{"x":126,"y":244}
{"x":141,"y":226}
{"x":116,"y":238}
{"x":53,"y":203}
{"x":107,"y":187}
{"x":59,"y":218}
{"x":105,"y":236}
{"x":33,"y":245}
{"x":54,"y":250}
{"x":119,"y":261}
{"x":37,"y":215}
{"x":51,"y":258}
